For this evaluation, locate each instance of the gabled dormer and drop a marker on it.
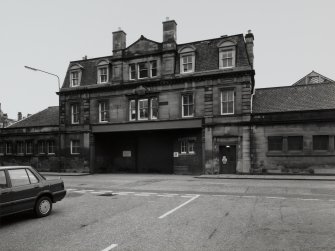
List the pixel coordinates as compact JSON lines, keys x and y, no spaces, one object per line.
{"x":142,"y":46}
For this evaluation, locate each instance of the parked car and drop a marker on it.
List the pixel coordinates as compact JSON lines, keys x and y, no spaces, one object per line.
{"x":22,"y":188}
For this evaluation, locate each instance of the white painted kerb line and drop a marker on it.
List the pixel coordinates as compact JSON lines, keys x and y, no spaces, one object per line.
{"x":175,"y":209}
{"x":110,"y":247}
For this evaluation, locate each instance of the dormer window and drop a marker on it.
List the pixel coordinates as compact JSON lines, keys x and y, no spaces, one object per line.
{"x":74,"y":78}
{"x":75,"y":75}
{"x":227,"y":54}
{"x":187,"y":59}
{"x":103,"y":72}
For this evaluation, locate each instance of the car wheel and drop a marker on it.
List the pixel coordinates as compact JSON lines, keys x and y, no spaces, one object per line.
{"x":43,"y":207}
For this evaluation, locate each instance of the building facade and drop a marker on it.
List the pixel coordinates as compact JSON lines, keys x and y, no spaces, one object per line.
{"x":160,"y":106}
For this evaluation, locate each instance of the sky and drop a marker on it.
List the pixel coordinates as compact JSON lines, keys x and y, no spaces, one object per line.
{"x":292,"y":38}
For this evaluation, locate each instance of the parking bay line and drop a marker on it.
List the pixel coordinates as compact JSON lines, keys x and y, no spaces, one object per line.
{"x":110,"y":247}
{"x":175,"y":209}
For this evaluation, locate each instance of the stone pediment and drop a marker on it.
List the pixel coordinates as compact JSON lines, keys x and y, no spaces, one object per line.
{"x":143,"y":46}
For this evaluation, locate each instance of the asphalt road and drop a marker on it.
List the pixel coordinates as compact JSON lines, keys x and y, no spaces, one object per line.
{"x":168,"y":212}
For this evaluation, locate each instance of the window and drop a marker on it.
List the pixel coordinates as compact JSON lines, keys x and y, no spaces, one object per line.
{"x":132,"y":71}
{"x":132,"y":110}
{"x":153,"y":68}
{"x":3,"y":180}
{"x":20,"y":147}
{"x":32,"y":177}
{"x":143,"y":109}
{"x":154,"y":108}
{"x":321,"y":142}
{"x":143,"y":70}
{"x":187,"y":63}
{"x":9,"y":147}
{"x":74,"y":78}
{"x":29,"y":147}
{"x":187,"y":59}
{"x":50,"y":147}
{"x":75,"y":114}
{"x":187,"y":146}
{"x":18,"y":177}
{"x":75,"y":147}
{"x":102,"y":75}
{"x":275,"y":143}
{"x":227,"y":58}
{"x":41,"y":147}
{"x":183,"y":146}
{"x":2,"y":148}
{"x":295,"y":143}
{"x":227,"y":102}
{"x":103,"y":111}
{"x":187,"y":105}
{"x":227,"y":54}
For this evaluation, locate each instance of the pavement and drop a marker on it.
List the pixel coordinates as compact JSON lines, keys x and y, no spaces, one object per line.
{"x":230,"y":176}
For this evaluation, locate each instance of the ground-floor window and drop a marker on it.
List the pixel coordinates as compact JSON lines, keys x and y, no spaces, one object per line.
{"x":9,"y":147}
{"x":321,"y":142}
{"x":275,"y":143}
{"x":295,"y":143}
{"x":75,"y":147}
{"x":29,"y":147}
{"x":187,"y":146}
{"x":2,"y":148}
{"x":20,"y":147}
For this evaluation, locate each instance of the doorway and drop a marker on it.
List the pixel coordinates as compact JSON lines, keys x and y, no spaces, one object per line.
{"x":227,"y":156}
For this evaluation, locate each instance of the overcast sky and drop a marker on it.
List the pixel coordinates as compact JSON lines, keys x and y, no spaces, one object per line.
{"x":292,"y":38}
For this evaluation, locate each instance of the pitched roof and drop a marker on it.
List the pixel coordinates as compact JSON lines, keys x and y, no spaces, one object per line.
{"x":294,"y":98}
{"x":47,"y":117}
{"x":313,"y":78}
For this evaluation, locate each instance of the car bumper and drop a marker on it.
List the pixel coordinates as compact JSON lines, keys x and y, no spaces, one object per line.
{"x":57,"y":196}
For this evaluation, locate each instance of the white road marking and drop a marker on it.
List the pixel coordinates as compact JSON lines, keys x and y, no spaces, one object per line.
{"x":110,"y":247}
{"x":175,"y":209}
{"x":98,"y":192}
{"x":82,"y":191}
{"x":186,"y":196}
{"x":278,"y":198}
{"x":70,"y":189}
{"x":164,"y":195}
{"x":306,"y":199}
{"x":248,"y":196}
{"x":141,"y":194}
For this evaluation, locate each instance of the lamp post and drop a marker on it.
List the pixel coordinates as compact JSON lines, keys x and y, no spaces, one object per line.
{"x":34,"y":69}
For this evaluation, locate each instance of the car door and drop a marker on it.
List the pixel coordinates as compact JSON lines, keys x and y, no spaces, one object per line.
{"x":24,"y":189}
{"x":5,"y":194}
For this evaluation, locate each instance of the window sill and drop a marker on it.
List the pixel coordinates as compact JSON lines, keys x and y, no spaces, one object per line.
{"x":51,"y":154}
{"x":75,"y":153}
{"x":187,"y":117}
{"x":187,"y":154}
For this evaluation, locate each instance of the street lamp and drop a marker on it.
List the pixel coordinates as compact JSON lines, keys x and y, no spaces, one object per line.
{"x":34,"y":69}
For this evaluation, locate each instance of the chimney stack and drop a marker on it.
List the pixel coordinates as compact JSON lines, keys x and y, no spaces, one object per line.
{"x":119,"y":42}
{"x":169,"y":31}
{"x":19,"y":116}
{"x":249,"y":40}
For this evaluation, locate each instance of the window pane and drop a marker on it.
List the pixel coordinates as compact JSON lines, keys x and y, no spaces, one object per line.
{"x":32,"y":177}
{"x":187,"y":105}
{"x":18,"y":177}
{"x":321,"y":142}
{"x":143,"y":70}
{"x":154,"y":108}
{"x":143,"y":108}
{"x":227,"y":102}
{"x":275,"y":143}
{"x":3,"y":182}
{"x":295,"y":143}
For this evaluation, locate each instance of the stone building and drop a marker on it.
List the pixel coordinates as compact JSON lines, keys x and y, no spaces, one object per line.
{"x":160,"y":106}
{"x":293,"y":127}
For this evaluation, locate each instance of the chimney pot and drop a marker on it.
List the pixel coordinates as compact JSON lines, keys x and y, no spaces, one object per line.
{"x":19,"y":116}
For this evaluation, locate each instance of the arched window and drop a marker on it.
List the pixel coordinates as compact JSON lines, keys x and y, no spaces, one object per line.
{"x":227,"y":54}
{"x":187,"y":59}
{"x":75,"y":75}
{"x":103,"y":72}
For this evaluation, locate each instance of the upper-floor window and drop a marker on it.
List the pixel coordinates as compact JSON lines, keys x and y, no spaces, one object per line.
{"x":142,"y":70}
{"x":321,"y":142}
{"x":153,"y":68}
{"x":75,"y":75}
{"x":227,"y":102}
{"x":132,"y":71}
{"x":295,"y":143}
{"x":187,"y":59}
{"x":103,"y":111}
{"x":74,"y":114}
{"x":187,"y":105}
{"x":143,"y":109}
{"x":227,"y":54}
{"x":103,"y":72}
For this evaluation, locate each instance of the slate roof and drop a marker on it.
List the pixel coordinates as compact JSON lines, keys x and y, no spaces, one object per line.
{"x":294,"y":98}
{"x":47,"y":117}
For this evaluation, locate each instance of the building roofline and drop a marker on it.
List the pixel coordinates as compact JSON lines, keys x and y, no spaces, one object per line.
{"x":296,"y":86}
